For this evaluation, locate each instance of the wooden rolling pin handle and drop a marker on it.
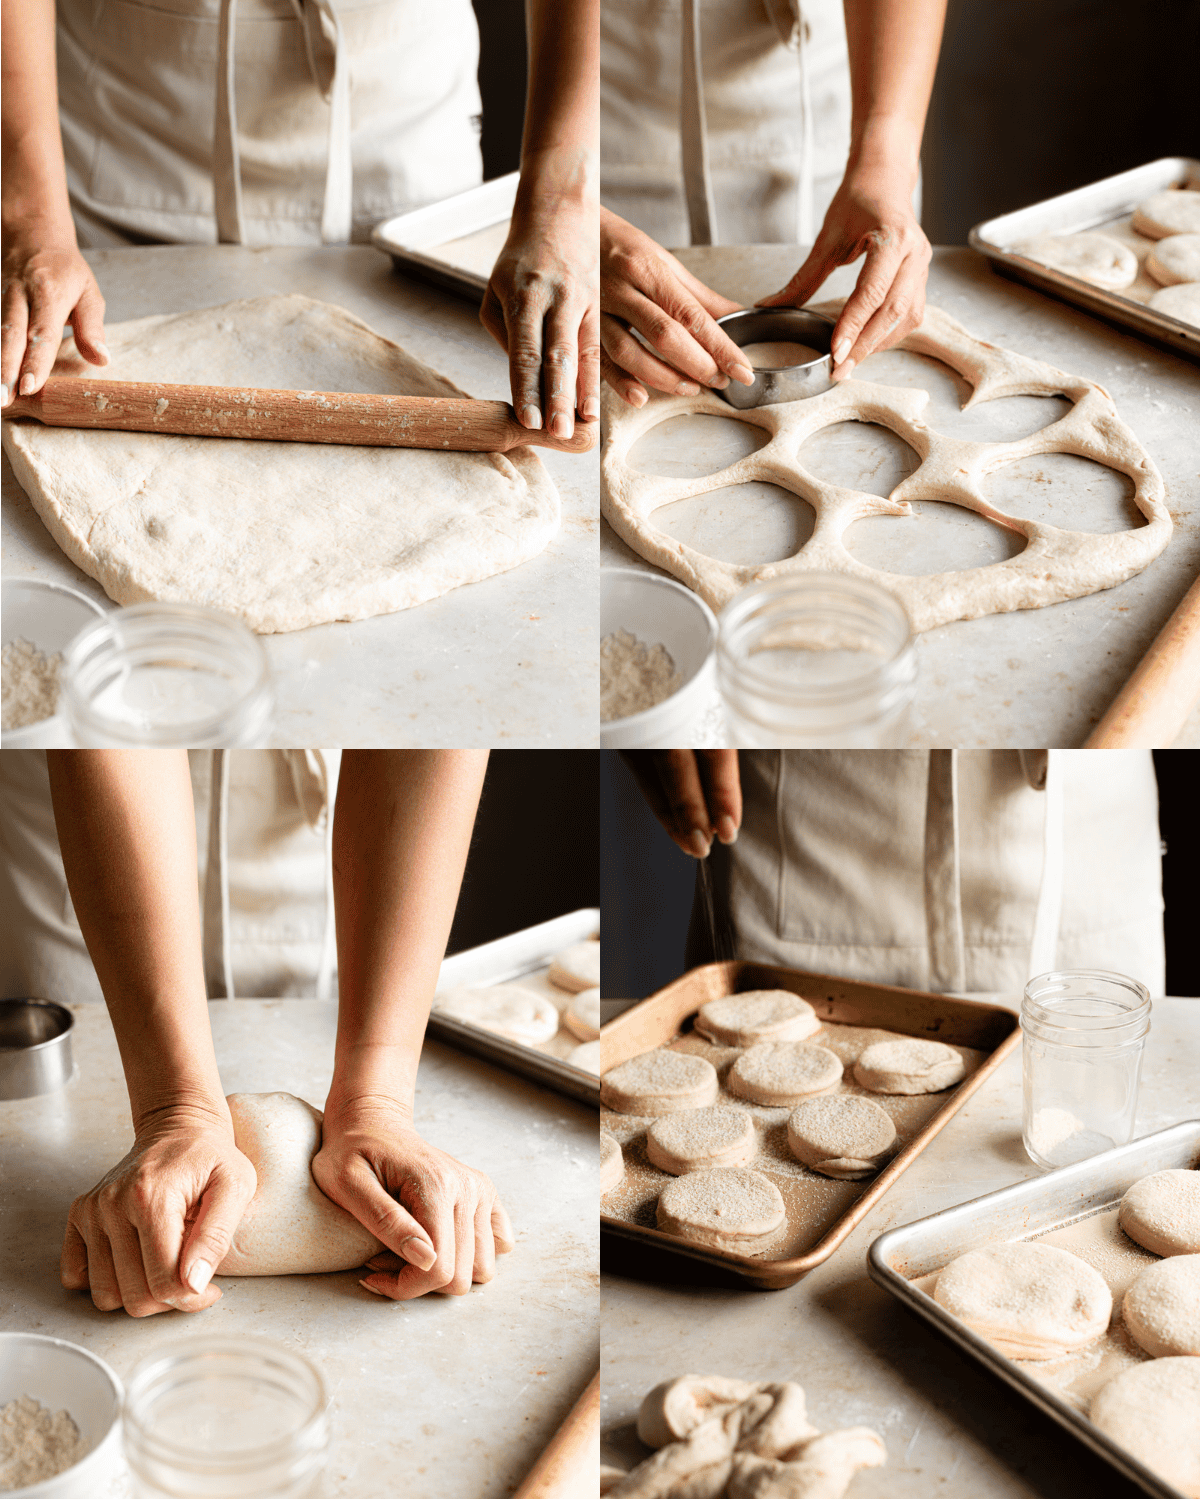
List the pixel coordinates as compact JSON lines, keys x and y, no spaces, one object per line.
{"x":567,"y":1450}
{"x":1151,"y":709}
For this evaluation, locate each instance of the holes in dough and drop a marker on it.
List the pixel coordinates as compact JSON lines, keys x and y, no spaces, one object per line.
{"x":740,"y":523}
{"x":938,"y":538}
{"x":947,"y":389}
{"x":688,"y":447}
{"x":858,"y":456}
{"x":1007,"y":419}
{"x":1064,"y":490}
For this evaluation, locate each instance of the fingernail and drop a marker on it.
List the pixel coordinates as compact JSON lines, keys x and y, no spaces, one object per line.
{"x":687,"y":388}
{"x":844,"y":370}
{"x":727,"y":830}
{"x":370,"y":1288}
{"x":532,"y":417}
{"x":743,"y":373}
{"x":840,"y":350}
{"x":591,"y":409}
{"x":719,"y":381}
{"x":418,"y":1252}
{"x":3,"y":395}
{"x":102,"y":349}
{"x":637,"y":397}
{"x":560,"y":426}
{"x":697,"y":843}
{"x":199,"y":1276}
{"x":27,"y":385}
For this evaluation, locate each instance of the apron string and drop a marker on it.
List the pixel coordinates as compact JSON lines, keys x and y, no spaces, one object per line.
{"x":805,"y":192}
{"x":693,"y":132}
{"x":218,"y":969}
{"x":226,"y":171}
{"x":311,"y":782}
{"x":1043,"y":951}
{"x":943,"y":893}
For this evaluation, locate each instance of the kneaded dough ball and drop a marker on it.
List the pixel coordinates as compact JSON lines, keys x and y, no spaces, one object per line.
{"x":1162,"y":1307}
{"x":1030,"y":1301}
{"x":1092,"y":257}
{"x":909,"y":1066}
{"x":729,"y":1208}
{"x":582,"y":1015}
{"x":589,"y":1056}
{"x":577,"y":967}
{"x":659,"y":1083}
{"x":1153,"y":1410}
{"x":1169,"y":212}
{"x":841,"y":1135}
{"x":722,"y":1136}
{"x":1175,"y":259}
{"x":612,"y":1162}
{"x":757,"y":1016}
{"x":521,"y":1015}
{"x":783,"y":1072}
{"x":1182,"y":302}
{"x":1162,"y":1212}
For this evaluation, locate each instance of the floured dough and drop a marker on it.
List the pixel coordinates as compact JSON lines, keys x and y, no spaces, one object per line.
{"x":290,"y":1227}
{"x":909,"y":1066}
{"x":1182,"y":302}
{"x":1162,"y":1307}
{"x":1092,"y":257}
{"x":729,"y":1208}
{"x":721,"y":1136}
{"x":841,"y":1135}
{"x":757,"y":1016}
{"x":582,"y":1015}
{"x":577,"y":967}
{"x":825,"y":1467}
{"x":1176,"y":258}
{"x":1153,"y":1410}
{"x":658,"y":1083}
{"x":283,"y":535}
{"x":676,"y":1407}
{"x":783,"y":1072}
{"x":782,"y":354}
{"x":1031,"y":1301}
{"x":612,"y":1162}
{"x":1162,"y":1212}
{"x":1055,"y":564}
{"x":1170,"y":212}
{"x":589,"y":1056}
{"x":521,"y":1015}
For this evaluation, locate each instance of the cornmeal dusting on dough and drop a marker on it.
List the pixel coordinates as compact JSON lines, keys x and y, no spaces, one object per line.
{"x":36,"y":1443}
{"x":30,"y":684}
{"x":633,"y":675}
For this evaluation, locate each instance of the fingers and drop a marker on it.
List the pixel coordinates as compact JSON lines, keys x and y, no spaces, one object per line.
{"x":222,"y":1205}
{"x":723,"y":788}
{"x":483,"y":1266}
{"x":136,"y":1297}
{"x":491,"y":315}
{"x":588,"y":376}
{"x":807,"y":279}
{"x":634,"y":360}
{"x":502,"y":1230}
{"x":362,"y":1195}
{"x":882,"y":306}
{"x":73,"y":1262}
{"x":48,"y":311}
{"x":159,"y":1220}
{"x":560,"y":344}
{"x":626,"y":387}
{"x":87,"y":323}
{"x":16,"y":322}
{"x":468,"y":1226}
{"x":679,"y":330}
{"x":670,"y":782}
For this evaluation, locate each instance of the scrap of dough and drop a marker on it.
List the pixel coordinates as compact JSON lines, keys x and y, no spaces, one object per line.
{"x":659,"y":1083}
{"x":757,"y":1016}
{"x":582,"y":1015}
{"x":589,"y":1057}
{"x":1162,"y":1212}
{"x":909,"y":1066}
{"x":612,"y":1162}
{"x":781,"y":354}
{"x":1091,"y":257}
{"x":1176,"y":258}
{"x":1055,"y":563}
{"x":841,"y":1135}
{"x":1170,"y":212}
{"x":290,"y":1227}
{"x":283,"y":535}
{"x":783,"y":1072}
{"x":577,"y":967}
{"x":1031,"y":1301}
{"x":517,"y":1013}
{"x":1162,"y":1307}
{"x":676,"y":1407}
{"x":1153,"y":1410}
{"x":824,"y":1469}
{"x":730,"y":1208}
{"x":1182,"y":302}
{"x":721,"y":1136}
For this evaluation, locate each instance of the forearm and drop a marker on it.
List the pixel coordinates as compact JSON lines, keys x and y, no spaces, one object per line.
{"x":35,"y":184}
{"x":560,"y":147}
{"x":402,"y":827}
{"x":893,"y":47}
{"x":126,"y":828}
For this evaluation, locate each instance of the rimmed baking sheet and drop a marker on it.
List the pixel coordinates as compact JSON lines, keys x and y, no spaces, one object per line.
{"x":454,"y":243}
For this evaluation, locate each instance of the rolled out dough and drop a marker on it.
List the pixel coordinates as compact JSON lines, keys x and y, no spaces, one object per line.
{"x":283,"y":535}
{"x":659,"y":1083}
{"x":577,"y":967}
{"x":1175,"y":259}
{"x":1173,"y":211}
{"x":730,"y":1208}
{"x":1162,"y":1307}
{"x":1162,"y":1212}
{"x":757,"y":1016}
{"x":509,"y":1009}
{"x":1181,"y":301}
{"x":1095,"y":258}
{"x":783,"y":1072}
{"x":909,"y":1065}
{"x":1154,"y":1411}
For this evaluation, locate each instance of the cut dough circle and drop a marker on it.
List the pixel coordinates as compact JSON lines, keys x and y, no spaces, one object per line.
{"x":1031,"y":1301}
{"x":659,"y":1083}
{"x":521,"y":1015}
{"x":722,"y":1136}
{"x":1162,"y":1307}
{"x":841,"y":1135}
{"x":612,"y":1162}
{"x":783,"y":1072}
{"x":1182,"y":302}
{"x":1170,"y":212}
{"x":290,"y":1227}
{"x":1162,"y":1212}
{"x":589,"y":1057}
{"x":1092,"y":257}
{"x":577,"y":967}
{"x":757,"y":1016}
{"x":582,"y":1015}
{"x":730,"y":1208}
{"x":782,"y":354}
{"x":909,"y":1066}
{"x":1176,"y":258}
{"x":1153,"y":1410}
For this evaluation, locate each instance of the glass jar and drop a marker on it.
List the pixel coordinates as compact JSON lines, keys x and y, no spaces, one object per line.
{"x":167,"y":675}
{"x":226,"y":1417}
{"x":815,"y":659}
{"x":1083,"y":1031}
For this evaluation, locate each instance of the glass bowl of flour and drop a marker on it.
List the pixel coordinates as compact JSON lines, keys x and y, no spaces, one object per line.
{"x":39,"y":621}
{"x":60,"y":1430}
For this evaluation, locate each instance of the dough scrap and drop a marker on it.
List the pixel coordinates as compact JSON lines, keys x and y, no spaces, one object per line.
{"x":721,"y":1136}
{"x":1162,"y":1212}
{"x":511,"y":1010}
{"x":659,"y":1083}
{"x":582,"y":1015}
{"x":825,"y":1467}
{"x":730,"y":1208}
{"x":1091,"y":257}
{"x":612,"y":1162}
{"x":676,"y":1407}
{"x":1055,"y":564}
{"x":783,"y":1072}
{"x":909,"y":1066}
{"x":1182,"y":302}
{"x":290,"y":1227}
{"x":841,"y":1135}
{"x":1170,"y":212}
{"x":1176,"y":258}
{"x":283,"y":535}
{"x":577,"y":967}
{"x":1031,"y":1301}
{"x":757,"y":1016}
{"x":1162,"y":1307}
{"x":1153,"y":1410}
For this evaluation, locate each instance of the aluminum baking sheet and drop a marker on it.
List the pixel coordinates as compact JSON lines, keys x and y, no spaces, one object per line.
{"x":821,"y":1211}
{"x":454,"y":243}
{"x":1070,"y":1196}
{"x":1107,"y":205}
{"x":524,"y":956}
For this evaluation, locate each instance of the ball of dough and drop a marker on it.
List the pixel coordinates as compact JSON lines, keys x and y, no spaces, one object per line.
{"x":1169,"y":212}
{"x":519,"y":1014}
{"x":1153,"y":1410}
{"x":1162,"y":1212}
{"x":1092,"y":257}
{"x":718,"y":1137}
{"x":1182,"y":302}
{"x":612,"y":1162}
{"x":909,"y":1066}
{"x":730,"y":1208}
{"x":1175,"y":259}
{"x":1162,"y":1307}
{"x":757,"y":1016}
{"x":841,"y":1135}
{"x":1031,"y":1301}
{"x":783,"y":1072}
{"x":582,"y":1015}
{"x":577,"y":967}
{"x":589,"y":1056}
{"x":659,"y":1083}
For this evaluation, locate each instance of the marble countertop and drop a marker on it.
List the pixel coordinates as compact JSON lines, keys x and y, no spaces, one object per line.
{"x":1034,"y":677}
{"x":951,"y":1429}
{"x":509,"y":661}
{"x":439,"y":1396}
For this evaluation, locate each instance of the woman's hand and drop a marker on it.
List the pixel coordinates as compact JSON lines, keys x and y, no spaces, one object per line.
{"x":695,"y":794}
{"x":441,"y":1221}
{"x":150,"y":1234}
{"x":46,"y":285}
{"x":643,"y":288}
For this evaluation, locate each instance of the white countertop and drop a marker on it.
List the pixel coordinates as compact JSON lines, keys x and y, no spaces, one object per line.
{"x":509,"y":661}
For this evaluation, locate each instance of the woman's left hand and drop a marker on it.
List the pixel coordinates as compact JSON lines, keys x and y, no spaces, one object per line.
{"x":441,"y":1221}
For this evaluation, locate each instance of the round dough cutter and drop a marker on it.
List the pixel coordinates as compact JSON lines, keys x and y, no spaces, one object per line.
{"x":783,"y":325}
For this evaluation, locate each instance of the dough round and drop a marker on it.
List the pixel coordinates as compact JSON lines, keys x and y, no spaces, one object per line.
{"x":1162,"y":1307}
{"x":577,"y":967}
{"x":612,"y":1162}
{"x":1182,"y":302}
{"x":722,"y":1136}
{"x":841,"y":1135}
{"x":1031,"y":1301}
{"x":519,"y":1014}
{"x":757,"y":1016}
{"x":1153,"y":1410}
{"x":582,"y":1015}
{"x":1176,"y":258}
{"x":1092,"y":257}
{"x":909,"y":1066}
{"x":1162,"y":1212}
{"x":732,"y":1208}
{"x":781,"y":354}
{"x":783,"y":1072}
{"x":659,"y":1083}
{"x":589,"y":1057}
{"x":1170,"y":212}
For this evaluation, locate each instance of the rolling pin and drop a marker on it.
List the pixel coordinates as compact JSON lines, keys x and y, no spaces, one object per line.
{"x":1154,"y":704}
{"x":447,"y":422}
{"x":576,"y":1443}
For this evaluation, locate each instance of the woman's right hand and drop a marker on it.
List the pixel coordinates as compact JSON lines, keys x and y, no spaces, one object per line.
{"x":46,"y":286}
{"x":150,"y":1234}
{"x":695,"y":794}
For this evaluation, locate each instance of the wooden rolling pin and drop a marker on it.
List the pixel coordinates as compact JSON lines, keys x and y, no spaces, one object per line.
{"x":558,"y":1471}
{"x":454,"y":422}
{"x":1154,"y":704}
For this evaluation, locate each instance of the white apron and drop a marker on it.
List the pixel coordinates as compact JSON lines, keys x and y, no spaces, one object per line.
{"x":962,"y":871}
{"x":263,"y":820}
{"x":341,"y":114}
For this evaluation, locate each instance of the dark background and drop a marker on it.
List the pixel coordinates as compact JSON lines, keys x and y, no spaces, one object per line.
{"x":502,"y":62}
